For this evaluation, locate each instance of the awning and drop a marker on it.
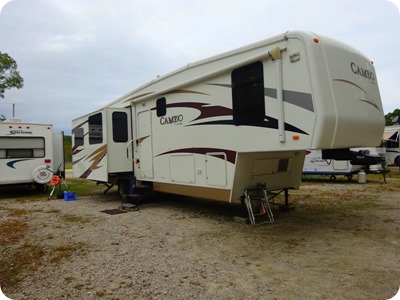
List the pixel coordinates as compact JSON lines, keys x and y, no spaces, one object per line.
{"x":388,"y":134}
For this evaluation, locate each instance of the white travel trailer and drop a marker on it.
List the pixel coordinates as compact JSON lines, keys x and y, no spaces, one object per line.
{"x":370,"y":160}
{"x":391,"y":138}
{"x":28,"y":151}
{"x":220,"y":126}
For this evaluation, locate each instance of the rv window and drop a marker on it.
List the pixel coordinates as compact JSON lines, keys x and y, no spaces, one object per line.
{"x":96,"y":129}
{"x":19,"y":153}
{"x":120,"y":127}
{"x":248,"y":94}
{"x":78,"y":137}
{"x":161,"y":107}
{"x":22,"y":147}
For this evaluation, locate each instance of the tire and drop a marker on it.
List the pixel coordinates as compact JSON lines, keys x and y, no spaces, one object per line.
{"x":41,"y":188}
{"x":41,"y":174}
{"x":123,"y":187}
{"x":397,"y":161}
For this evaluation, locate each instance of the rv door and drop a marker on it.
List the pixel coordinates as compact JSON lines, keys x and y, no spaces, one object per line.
{"x":144,"y":145}
{"x":119,"y":134}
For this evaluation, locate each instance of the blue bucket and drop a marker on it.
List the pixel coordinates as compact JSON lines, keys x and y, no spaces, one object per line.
{"x":69,"y":196}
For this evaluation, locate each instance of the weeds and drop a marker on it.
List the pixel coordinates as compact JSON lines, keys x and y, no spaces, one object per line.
{"x":65,"y":251}
{"x":76,"y":219}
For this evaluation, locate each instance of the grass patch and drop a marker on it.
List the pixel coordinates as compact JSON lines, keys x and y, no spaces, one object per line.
{"x":84,"y":187}
{"x":65,"y":251}
{"x":16,"y":259}
{"x":12,"y":231}
{"x":23,"y":194}
{"x":69,"y":219}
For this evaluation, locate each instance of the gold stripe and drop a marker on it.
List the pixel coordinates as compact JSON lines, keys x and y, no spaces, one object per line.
{"x":185,"y":92}
{"x":193,"y":191}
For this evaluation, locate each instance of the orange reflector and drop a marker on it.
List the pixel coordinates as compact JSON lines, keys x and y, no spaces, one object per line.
{"x":316,"y":40}
{"x":295,"y":137}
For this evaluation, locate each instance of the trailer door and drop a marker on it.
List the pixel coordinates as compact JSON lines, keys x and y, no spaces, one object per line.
{"x":118,"y":136}
{"x":145,"y":144}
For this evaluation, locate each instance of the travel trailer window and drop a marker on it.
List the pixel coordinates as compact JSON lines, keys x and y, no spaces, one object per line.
{"x":22,"y":147}
{"x":96,"y":129}
{"x":161,"y":106}
{"x":248,"y":94}
{"x":120,"y":127}
{"x":78,"y":137}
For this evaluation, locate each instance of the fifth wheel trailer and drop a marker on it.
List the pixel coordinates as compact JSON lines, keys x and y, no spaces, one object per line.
{"x":222,"y":125}
{"x":29,"y":152}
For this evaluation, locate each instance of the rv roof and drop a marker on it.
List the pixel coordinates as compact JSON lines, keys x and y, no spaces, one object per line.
{"x":211,"y":59}
{"x":134,"y":95}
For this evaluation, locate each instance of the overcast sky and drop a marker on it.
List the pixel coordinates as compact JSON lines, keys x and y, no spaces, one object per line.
{"x":78,"y":55}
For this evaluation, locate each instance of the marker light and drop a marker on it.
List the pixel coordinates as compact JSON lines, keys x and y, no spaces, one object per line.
{"x":47,"y":160}
{"x":295,"y":137}
{"x":316,"y":40}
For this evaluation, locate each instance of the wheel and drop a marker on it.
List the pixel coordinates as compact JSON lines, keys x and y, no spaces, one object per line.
{"x":397,"y":161}
{"x":41,"y":188}
{"x":123,"y":187}
{"x":41,"y":174}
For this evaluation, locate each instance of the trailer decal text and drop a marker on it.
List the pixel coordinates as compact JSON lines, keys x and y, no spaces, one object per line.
{"x":361,"y":72}
{"x":15,"y":132}
{"x":176,"y":120}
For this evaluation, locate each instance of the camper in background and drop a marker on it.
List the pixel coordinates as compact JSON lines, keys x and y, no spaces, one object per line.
{"x":29,"y":152}
{"x":370,"y":160}
{"x":391,"y":138}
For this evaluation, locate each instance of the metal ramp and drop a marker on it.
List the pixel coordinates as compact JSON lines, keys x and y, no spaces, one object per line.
{"x":258,"y":197}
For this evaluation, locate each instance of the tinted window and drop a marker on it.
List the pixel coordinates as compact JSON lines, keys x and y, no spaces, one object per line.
{"x":248,"y":94}
{"x":78,"y":137}
{"x":120,"y":127}
{"x":96,"y":129}
{"x":161,"y":107}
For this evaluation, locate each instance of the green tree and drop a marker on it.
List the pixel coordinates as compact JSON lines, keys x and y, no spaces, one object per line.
{"x":68,"y":148}
{"x":390,"y":117}
{"x":9,"y":75}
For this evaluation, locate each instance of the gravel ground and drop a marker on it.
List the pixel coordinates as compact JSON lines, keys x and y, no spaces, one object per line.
{"x":341,"y":242}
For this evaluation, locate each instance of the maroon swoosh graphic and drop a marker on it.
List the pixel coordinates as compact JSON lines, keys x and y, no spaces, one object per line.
{"x":230,"y":155}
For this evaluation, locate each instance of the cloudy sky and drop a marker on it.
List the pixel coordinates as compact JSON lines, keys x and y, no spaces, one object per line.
{"x":78,"y":55}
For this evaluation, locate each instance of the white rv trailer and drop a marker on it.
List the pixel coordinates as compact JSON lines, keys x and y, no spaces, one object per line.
{"x":391,"y":138}
{"x":28,"y":151}
{"x":217,"y":127}
{"x":370,"y":160}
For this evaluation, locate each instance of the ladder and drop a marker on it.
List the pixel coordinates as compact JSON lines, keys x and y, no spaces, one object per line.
{"x":258,"y":195}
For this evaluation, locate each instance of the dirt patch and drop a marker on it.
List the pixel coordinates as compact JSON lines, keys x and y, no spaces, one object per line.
{"x":341,"y":242}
